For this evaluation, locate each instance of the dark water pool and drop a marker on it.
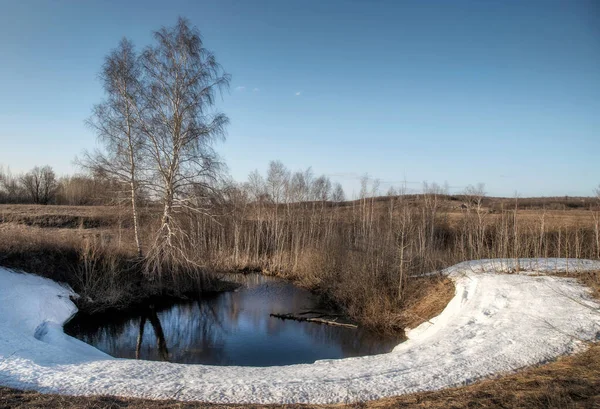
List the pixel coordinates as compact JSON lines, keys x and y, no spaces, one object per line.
{"x":231,"y":328}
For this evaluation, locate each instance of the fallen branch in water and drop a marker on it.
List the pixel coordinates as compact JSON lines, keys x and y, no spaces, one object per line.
{"x":319,"y":314}
{"x":316,"y":320}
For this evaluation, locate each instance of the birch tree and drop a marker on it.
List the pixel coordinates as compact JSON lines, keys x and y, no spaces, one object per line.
{"x":474,"y":196}
{"x":116,"y":122}
{"x":181,"y":82}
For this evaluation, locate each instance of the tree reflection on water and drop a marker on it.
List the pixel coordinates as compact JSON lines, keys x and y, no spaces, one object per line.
{"x":232,"y":328}
{"x":161,"y":343}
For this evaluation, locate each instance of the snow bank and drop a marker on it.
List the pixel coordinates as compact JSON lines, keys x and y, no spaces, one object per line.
{"x":495,"y":323}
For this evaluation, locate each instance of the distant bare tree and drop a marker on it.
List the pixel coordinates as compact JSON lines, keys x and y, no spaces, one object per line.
{"x":300,"y":185}
{"x":277,"y":183}
{"x":278,"y":177}
{"x":432,"y":195}
{"x":257,"y":187}
{"x":364,"y":186}
{"x":338,"y":194}
{"x":48,"y":185}
{"x":321,"y":189}
{"x":116,"y":123}
{"x":181,"y":81}
{"x":432,"y":198}
{"x":40,"y":184}
{"x":474,"y":196}
{"x":596,"y":216}
{"x":376,"y":183}
{"x":31,"y":182}
{"x":9,"y":186}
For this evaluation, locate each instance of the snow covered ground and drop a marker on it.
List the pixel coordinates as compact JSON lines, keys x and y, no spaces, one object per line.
{"x":496,"y":323}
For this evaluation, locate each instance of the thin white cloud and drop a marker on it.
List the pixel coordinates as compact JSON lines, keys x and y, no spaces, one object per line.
{"x":240,"y":88}
{"x":298,"y":93}
{"x":256,"y":90}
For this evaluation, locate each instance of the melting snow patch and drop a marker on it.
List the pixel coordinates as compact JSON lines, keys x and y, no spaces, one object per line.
{"x":495,"y":323}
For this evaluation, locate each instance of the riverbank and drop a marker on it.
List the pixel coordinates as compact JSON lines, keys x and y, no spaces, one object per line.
{"x":536,"y":317}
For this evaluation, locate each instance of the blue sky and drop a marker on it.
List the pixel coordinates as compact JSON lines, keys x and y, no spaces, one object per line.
{"x":501,"y":92}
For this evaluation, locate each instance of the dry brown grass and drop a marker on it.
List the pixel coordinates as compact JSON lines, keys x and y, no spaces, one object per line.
{"x":95,"y":263}
{"x":99,"y":264}
{"x":570,"y":382}
{"x":592,"y":280}
{"x":428,"y":297}
{"x":107,"y":216}
{"x":50,"y":252}
{"x":554,"y":219}
{"x":61,"y":216}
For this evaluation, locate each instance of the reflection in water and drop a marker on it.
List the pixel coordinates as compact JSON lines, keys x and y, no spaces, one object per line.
{"x":161,"y":342}
{"x":232,"y":328}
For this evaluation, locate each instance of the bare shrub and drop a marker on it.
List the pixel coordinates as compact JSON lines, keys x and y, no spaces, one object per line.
{"x":40,"y":184}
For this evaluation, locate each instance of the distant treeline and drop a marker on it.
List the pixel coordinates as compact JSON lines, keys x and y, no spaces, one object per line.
{"x":40,"y":185}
